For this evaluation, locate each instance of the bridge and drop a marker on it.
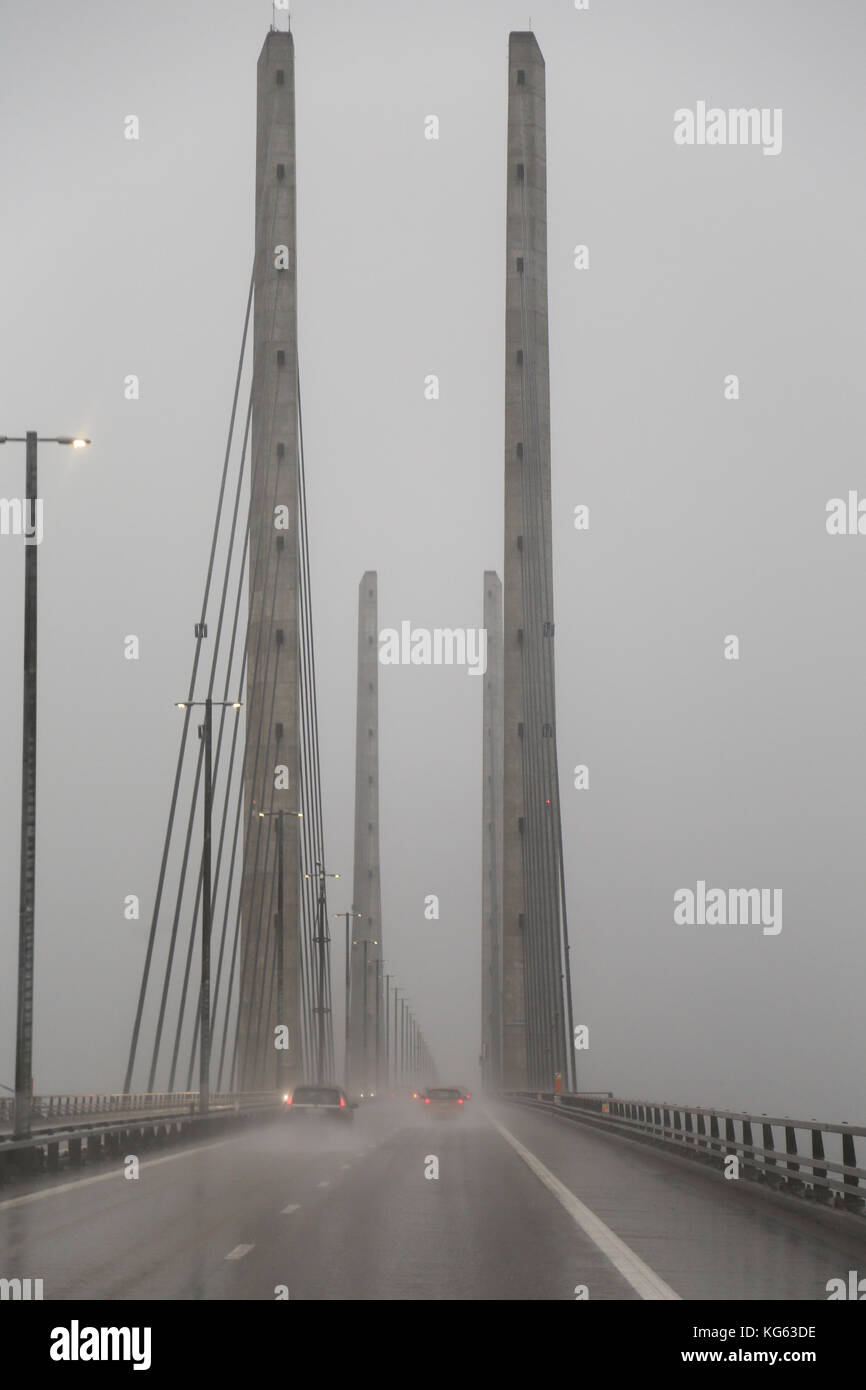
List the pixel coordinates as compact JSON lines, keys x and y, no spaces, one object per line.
{"x":259,"y":973}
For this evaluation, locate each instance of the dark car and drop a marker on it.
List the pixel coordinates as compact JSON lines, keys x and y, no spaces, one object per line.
{"x":318,"y":1102}
{"x":442,"y":1100}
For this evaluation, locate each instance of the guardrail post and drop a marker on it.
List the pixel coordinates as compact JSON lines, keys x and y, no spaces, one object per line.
{"x":688,"y":1127}
{"x":849,"y":1159}
{"x":702,"y":1135}
{"x":714,"y":1133}
{"x":769,"y":1143}
{"x":819,"y":1192}
{"x":74,"y":1148}
{"x":748,"y":1152}
{"x":795,"y":1184}
{"x":730,"y":1137}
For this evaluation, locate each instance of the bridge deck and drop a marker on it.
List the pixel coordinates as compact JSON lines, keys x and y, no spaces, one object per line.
{"x":347,"y":1213}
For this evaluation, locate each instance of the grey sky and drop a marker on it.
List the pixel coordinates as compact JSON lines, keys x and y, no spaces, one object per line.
{"x":707,"y":516}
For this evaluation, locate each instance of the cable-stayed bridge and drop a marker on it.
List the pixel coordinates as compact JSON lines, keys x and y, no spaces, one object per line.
{"x":552,"y":1191}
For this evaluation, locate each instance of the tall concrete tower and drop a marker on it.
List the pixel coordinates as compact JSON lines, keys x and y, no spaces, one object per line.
{"x":271,"y":769}
{"x":367,"y":929}
{"x":491,"y":842}
{"x":534,"y":939}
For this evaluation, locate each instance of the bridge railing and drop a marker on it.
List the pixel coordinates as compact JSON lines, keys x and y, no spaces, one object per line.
{"x":114,"y":1103}
{"x":804,"y":1157}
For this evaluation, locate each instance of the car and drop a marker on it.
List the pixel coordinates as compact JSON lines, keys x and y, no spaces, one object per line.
{"x":443,"y":1100}
{"x":317,"y":1103}
{"x":467,"y":1095}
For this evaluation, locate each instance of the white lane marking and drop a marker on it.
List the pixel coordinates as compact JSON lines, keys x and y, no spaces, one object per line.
{"x":239,"y":1252}
{"x":326,"y":1183}
{"x":109,"y":1177}
{"x":643,"y":1280}
{"x":344,"y":1166}
{"x":293,"y":1206}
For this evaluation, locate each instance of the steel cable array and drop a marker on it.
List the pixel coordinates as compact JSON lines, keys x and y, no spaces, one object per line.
{"x":257,"y":844}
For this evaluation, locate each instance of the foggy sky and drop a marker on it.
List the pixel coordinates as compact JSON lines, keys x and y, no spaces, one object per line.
{"x":707,"y":516}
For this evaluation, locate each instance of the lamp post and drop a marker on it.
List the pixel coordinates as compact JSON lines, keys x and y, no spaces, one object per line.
{"x":365,"y":1066}
{"x":320,"y":941}
{"x":348,"y":916}
{"x":27,"y":886}
{"x":403,"y":1040}
{"x":278,"y":924}
{"x":397,"y":1079}
{"x":378,"y":964}
{"x":387,"y":1032}
{"x":206,"y":732}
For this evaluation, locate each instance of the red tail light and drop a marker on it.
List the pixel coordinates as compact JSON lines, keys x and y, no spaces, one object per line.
{"x":460,"y":1101}
{"x":288,"y":1100}
{"x":342,"y":1102}
{"x":426,"y":1100}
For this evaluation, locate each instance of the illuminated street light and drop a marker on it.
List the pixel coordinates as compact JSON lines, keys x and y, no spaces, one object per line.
{"x":27,"y":892}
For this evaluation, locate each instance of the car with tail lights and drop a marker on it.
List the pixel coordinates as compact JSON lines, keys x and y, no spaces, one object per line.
{"x":442,"y":1101}
{"x":318,"y":1103}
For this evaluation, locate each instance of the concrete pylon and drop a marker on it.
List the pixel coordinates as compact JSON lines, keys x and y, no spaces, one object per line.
{"x":367,"y":900}
{"x":491,"y":842}
{"x":534,"y":968}
{"x":271,"y":769}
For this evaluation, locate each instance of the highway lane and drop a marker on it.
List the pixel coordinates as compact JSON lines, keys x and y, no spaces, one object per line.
{"x":525,"y":1206}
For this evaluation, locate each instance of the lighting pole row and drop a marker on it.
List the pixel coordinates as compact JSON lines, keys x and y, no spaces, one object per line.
{"x":410,"y":1055}
{"x":401,"y":1053}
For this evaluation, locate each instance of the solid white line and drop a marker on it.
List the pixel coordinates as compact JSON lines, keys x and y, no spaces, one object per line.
{"x":643,"y":1280}
{"x":110,"y":1177}
{"x":239,"y":1252}
{"x":293,"y":1206}
{"x":326,"y":1183}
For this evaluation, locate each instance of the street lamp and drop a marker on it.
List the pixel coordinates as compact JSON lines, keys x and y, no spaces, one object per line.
{"x":278,"y":816}
{"x":387,"y":1009}
{"x":27,"y":890}
{"x":207,"y":889}
{"x":348,"y":915}
{"x":321,"y":941}
{"x":398,"y":1069}
{"x":366,"y":942}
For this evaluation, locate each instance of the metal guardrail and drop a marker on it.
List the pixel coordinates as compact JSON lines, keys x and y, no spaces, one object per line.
{"x":818,"y":1161}
{"x":48,"y":1146}
{"x":56,"y":1107}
